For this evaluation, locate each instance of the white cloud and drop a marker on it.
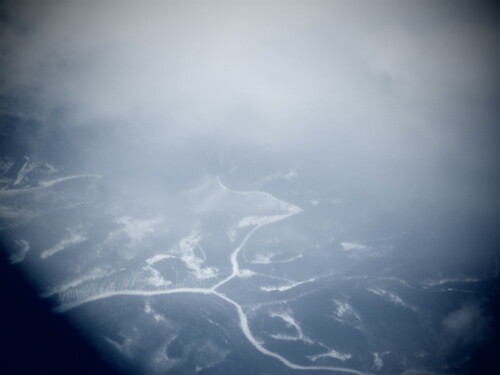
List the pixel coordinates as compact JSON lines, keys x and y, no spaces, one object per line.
{"x":280,"y":69}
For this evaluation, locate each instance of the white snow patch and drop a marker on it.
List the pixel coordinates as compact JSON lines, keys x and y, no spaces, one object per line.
{"x":155,"y":278}
{"x":287,"y":317}
{"x":75,"y":237}
{"x":136,"y":230}
{"x":285,"y":287}
{"x":245,"y":274}
{"x":128,"y":239}
{"x":96,"y":273}
{"x":254,"y":221}
{"x":332,"y":354}
{"x":267,"y":258}
{"x":344,"y":309}
{"x":390,"y":296}
{"x":347,"y":246}
{"x":344,"y":313}
{"x":158,"y":257}
{"x":187,"y":254}
{"x":264,"y":220}
{"x":158,"y":317}
{"x":280,"y":336}
{"x":149,"y":310}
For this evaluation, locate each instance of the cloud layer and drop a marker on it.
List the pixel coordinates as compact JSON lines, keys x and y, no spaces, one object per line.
{"x":391,"y":87}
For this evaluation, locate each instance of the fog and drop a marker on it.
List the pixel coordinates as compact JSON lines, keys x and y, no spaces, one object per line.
{"x":392,"y":104}
{"x":400,"y":86}
{"x":387,"y":111}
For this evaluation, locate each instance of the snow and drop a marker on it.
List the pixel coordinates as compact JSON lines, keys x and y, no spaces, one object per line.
{"x":344,"y":310}
{"x":289,"y":320}
{"x":94,"y":274}
{"x":185,"y":249}
{"x":267,"y":258}
{"x":23,"y":171}
{"x":136,"y":230}
{"x":155,"y":278}
{"x":245,"y":274}
{"x":75,"y":237}
{"x":332,"y":354}
{"x":285,"y":287}
{"x":395,"y":299}
{"x":378,"y":362}
{"x":347,"y":246}
{"x":158,"y":257}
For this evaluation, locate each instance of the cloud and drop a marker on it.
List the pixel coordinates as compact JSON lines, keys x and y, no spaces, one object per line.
{"x":387,"y":93}
{"x":204,"y":66}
